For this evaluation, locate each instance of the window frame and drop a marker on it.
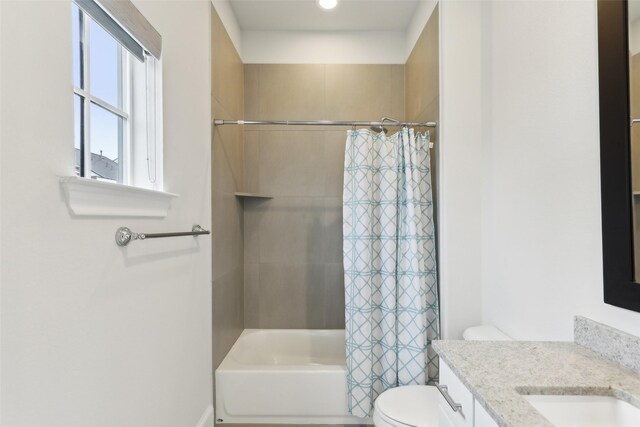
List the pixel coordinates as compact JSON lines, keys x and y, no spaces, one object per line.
{"x":87,"y":99}
{"x":143,"y":149}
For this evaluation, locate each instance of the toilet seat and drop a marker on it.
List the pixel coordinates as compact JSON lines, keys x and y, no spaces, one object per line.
{"x":407,"y":406}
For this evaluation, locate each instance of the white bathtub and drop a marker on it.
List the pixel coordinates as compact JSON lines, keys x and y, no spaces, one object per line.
{"x":292,"y":376}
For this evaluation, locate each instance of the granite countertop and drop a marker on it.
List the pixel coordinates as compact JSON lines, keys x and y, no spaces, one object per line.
{"x":498,"y":372}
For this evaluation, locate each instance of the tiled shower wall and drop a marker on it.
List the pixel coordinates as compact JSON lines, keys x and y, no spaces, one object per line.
{"x":227,"y":151}
{"x":293,"y":242}
{"x":278,"y":262}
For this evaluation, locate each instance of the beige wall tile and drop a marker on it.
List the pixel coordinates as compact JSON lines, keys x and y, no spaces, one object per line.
{"x":291,"y":296}
{"x":227,"y":151}
{"x":301,"y":236}
{"x":422,"y":70}
{"x":334,"y":296}
{"x":291,"y":163}
{"x":252,"y":296}
{"x":334,"y":145}
{"x":296,"y":238}
{"x":358,"y":92}
{"x":251,"y":161}
{"x":291,"y":230}
{"x":397,"y":92}
{"x":254,"y":210}
{"x":291,"y":92}
{"x":227,"y":224}
{"x":252,"y":92}
{"x":415,"y":79}
{"x":227,"y":69}
{"x":332,"y":229}
{"x":228,"y":318}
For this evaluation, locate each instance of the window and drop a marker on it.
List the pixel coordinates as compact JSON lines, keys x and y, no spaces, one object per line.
{"x":116,"y":101}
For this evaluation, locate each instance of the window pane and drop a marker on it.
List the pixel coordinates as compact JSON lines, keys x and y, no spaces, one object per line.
{"x":76,"y":26}
{"x":104,"y":65}
{"x":77,"y":140}
{"x":106,"y":144}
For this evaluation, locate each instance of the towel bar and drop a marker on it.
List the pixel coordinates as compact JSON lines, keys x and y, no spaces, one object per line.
{"x":124,"y":235}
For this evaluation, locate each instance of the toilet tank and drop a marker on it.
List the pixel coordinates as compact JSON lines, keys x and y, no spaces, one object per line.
{"x":484,"y":333}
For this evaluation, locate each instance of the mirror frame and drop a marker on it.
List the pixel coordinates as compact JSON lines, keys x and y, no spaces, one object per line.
{"x":620,"y":287}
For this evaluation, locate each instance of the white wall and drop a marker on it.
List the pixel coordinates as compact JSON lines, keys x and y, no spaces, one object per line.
{"x":92,"y":334}
{"x":542,"y":258}
{"x":460,"y":166}
{"x":324,"y":47}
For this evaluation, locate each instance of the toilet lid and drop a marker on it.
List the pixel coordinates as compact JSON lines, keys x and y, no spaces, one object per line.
{"x":412,"y":405}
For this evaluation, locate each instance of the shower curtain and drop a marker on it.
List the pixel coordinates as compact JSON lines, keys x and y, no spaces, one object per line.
{"x":391,"y":295}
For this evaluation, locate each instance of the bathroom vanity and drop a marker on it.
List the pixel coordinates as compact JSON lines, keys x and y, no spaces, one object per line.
{"x":457,"y":406}
{"x":592,"y":381}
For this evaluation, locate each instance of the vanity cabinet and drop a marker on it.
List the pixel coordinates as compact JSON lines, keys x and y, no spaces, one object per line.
{"x":481,"y":417}
{"x":456,"y":405}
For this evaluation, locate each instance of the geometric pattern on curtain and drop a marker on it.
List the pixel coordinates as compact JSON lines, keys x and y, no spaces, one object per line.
{"x":391,"y":292}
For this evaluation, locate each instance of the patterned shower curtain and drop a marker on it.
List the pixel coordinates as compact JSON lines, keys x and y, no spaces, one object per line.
{"x":391,"y":295}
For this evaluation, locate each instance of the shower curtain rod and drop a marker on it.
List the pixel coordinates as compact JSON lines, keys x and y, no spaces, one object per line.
{"x":219,"y":122}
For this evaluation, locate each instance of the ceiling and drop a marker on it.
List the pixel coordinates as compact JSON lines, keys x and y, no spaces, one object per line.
{"x":305,"y":15}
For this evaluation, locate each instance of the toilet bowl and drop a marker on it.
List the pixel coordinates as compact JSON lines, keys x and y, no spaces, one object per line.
{"x":417,"y":405}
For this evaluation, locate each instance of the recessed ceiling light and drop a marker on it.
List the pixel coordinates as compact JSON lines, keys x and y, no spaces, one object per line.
{"x":327,"y":4}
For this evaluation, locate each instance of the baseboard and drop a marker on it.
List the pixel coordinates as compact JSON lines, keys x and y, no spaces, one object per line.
{"x":207,"y":418}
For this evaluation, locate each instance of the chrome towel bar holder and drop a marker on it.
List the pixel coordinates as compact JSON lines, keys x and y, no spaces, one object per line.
{"x":124,"y":235}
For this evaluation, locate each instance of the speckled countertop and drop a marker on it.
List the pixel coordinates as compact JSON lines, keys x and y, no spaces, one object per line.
{"x":498,"y":372}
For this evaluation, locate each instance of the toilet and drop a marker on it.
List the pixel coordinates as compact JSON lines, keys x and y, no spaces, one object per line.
{"x":417,"y":405}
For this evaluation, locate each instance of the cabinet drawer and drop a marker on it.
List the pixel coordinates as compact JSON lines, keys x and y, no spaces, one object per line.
{"x":458,"y":394}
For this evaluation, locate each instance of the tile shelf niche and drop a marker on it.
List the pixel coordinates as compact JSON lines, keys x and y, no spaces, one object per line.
{"x":252,"y":195}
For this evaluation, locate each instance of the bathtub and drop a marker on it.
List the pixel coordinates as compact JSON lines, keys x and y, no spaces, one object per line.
{"x":286,"y":376}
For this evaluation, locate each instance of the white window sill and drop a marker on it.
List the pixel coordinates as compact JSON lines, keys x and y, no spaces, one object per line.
{"x":88,"y":197}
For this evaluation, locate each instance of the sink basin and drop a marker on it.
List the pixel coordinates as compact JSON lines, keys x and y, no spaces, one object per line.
{"x":585,"y":410}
